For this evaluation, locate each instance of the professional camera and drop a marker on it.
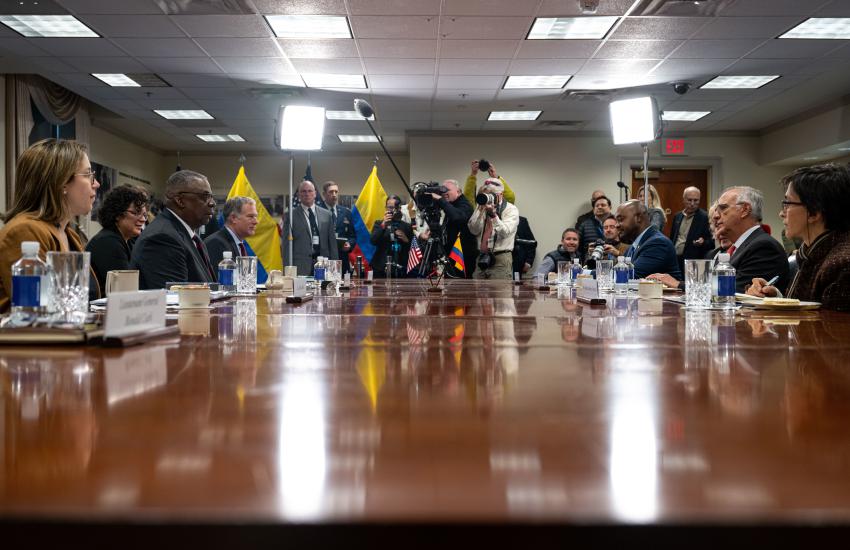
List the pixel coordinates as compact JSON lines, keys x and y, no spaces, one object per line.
{"x":483,"y":165}
{"x":598,"y":250}
{"x":422,"y":194}
{"x":485,"y":260}
{"x":483,"y":199}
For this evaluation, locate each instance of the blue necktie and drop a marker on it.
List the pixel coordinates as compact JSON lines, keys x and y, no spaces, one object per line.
{"x":630,"y":253}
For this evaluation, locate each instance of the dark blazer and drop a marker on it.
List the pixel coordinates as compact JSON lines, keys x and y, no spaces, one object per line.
{"x":655,"y":254}
{"x":109,"y":251}
{"x":219,"y":242}
{"x":164,"y":252}
{"x":457,"y":222}
{"x":524,"y":253}
{"x":699,"y":228}
{"x":381,"y":239}
{"x":760,"y":256}
{"x":344,"y":230}
{"x":302,"y":240}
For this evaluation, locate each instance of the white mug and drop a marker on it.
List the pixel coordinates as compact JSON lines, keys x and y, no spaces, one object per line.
{"x":122,"y":280}
{"x":192,"y":296}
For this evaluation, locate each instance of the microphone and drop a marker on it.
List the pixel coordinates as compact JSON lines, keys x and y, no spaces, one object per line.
{"x":620,"y":184}
{"x":362,"y":106}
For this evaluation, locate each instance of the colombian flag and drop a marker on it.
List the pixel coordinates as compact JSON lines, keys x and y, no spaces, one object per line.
{"x":456,"y":255}
{"x":265,"y":242}
{"x":368,"y":209}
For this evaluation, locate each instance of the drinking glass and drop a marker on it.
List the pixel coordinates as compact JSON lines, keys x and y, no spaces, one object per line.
{"x":335,"y":270}
{"x":564,"y":273}
{"x":69,"y":278}
{"x":605,"y":275}
{"x":698,"y":284}
{"x":246,"y":274}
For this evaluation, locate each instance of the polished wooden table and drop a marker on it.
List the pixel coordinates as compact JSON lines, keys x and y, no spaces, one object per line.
{"x":493,"y":409}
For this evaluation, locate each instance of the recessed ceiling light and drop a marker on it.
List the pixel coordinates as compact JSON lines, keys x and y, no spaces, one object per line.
{"x":54,"y":26}
{"x":320,"y":80}
{"x":571,"y":28}
{"x":835,"y":28}
{"x":539,"y":82}
{"x":514,"y":115}
{"x":740,"y":82}
{"x":183,"y":114}
{"x":686,"y":116}
{"x":844,"y":148}
{"x":357,"y":138}
{"x":345,"y":115}
{"x":810,"y":158}
{"x":309,"y":26}
{"x":117,"y":80}
{"x":220,"y":137}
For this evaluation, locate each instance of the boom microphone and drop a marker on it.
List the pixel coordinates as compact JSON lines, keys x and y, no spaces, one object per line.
{"x":362,"y":106}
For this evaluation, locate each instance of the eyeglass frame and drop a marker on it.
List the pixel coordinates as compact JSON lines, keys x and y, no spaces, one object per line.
{"x":91,"y":175}
{"x":786,"y":204}
{"x":137,"y":215}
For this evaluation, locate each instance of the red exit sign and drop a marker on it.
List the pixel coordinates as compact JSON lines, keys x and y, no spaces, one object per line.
{"x":673,"y":146}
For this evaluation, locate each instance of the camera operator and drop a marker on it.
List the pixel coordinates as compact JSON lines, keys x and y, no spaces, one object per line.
{"x":611,"y":245}
{"x":472,"y":180}
{"x":494,"y":223}
{"x":457,"y":211}
{"x":391,"y":237}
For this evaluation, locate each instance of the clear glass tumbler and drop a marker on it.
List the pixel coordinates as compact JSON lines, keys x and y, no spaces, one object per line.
{"x":698,"y":284}
{"x":565,"y":273}
{"x":246,"y":274}
{"x":69,"y":280}
{"x":605,"y":275}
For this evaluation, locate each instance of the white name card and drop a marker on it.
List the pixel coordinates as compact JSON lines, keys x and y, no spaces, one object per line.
{"x":299,"y":286}
{"x":134,"y":312}
{"x":587,"y":288}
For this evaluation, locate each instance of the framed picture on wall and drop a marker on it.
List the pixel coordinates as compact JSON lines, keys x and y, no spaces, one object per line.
{"x":107,"y":177}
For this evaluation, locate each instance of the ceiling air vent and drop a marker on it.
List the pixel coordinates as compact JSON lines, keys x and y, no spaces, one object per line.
{"x":206,"y":7}
{"x":587,"y":95}
{"x":274,"y":93}
{"x":560,"y":124}
{"x":691,"y":8}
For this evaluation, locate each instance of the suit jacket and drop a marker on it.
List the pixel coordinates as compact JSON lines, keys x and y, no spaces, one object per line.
{"x":524,"y":253}
{"x":165,"y":252}
{"x":760,"y":256}
{"x":302,"y":240}
{"x":219,"y":242}
{"x":344,"y":230}
{"x":109,"y":251}
{"x":699,"y":228}
{"x":457,"y":223}
{"x":655,"y":254}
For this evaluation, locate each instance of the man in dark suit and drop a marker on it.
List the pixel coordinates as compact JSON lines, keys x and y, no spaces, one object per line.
{"x":690,"y":234}
{"x":753,"y":253}
{"x":312,"y":234}
{"x":240,"y":222}
{"x":169,"y":249}
{"x":458,"y":210}
{"x":524,"y":252}
{"x":342,"y":223}
{"x":651,"y":251}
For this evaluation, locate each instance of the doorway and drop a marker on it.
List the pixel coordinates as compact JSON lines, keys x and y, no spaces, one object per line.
{"x":671,"y":184}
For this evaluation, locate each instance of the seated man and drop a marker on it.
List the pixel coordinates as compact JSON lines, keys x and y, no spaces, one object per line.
{"x":613,"y":246}
{"x":651,"y":251}
{"x":567,"y":251}
{"x":495,"y":225}
{"x":240,"y":222}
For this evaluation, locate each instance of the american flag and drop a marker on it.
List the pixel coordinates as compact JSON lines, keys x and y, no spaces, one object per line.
{"x":414,"y":256}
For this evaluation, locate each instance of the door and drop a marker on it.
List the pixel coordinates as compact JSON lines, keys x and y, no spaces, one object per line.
{"x":671,"y":184}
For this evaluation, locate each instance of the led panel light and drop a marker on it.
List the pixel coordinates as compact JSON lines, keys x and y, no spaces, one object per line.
{"x":821,"y":28}
{"x":321,"y":80}
{"x":183,"y":114}
{"x":309,"y":26}
{"x":633,"y":120}
{"x":117,"y":80}
{"x":538,"y":82}
{"x":219,"y":137}
{"x":357,"y":138}
{"x":345,"y":115}
{"x":571,"y":28}
{"x":301,"y":128}
{"x":53,"y":26}
{"x":685,"y":116}
{"x":514,"y":115}
{"x":738,"y":82}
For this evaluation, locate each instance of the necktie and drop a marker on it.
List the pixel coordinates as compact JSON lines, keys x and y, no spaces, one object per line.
{"x":333,"y":217}
{"x":630,"y":253}
{"x":731,"y":250}
{"x":485,"y":238}
{"x":242,"y":250}
{"x":314,"y":228}
{"x":203,"y":252}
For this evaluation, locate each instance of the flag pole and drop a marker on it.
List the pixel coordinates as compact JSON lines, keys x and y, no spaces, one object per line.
{"x":289,"y":221}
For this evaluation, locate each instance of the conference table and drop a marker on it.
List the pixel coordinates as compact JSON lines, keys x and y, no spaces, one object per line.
{"x":390,"y":414}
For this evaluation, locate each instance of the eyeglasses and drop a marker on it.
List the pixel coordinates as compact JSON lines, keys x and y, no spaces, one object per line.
{"x":786,"y":204}
{"x":90,"y":175}
{"x":205,"y":196}
{"x":724,"y":207}
{"x":134,"y":214}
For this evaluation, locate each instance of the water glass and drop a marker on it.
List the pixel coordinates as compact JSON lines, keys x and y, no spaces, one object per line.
{"x":565,"y":273}
{"x":246,"y":274}
{"x":69,"y":279}
{"x":605,"y":275}
{"x":698,"y":284}
{"x":334,"y":271}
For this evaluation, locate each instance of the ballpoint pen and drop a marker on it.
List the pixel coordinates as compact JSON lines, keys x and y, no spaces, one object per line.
{"x":772,"y":281}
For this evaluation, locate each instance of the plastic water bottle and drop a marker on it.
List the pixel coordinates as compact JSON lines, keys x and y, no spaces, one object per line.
{"x":29,"y":283}
{"x":725,"y":274}
{"x":576,"y":271}
{"x":319,"y":269}
{"x":631,"y":267}
{"x":621,"y":276}
{"x":226,"y":269}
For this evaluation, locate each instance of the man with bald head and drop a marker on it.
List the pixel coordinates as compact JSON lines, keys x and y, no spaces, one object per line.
{"x":651,"y":251}
{"x":691,"y":234}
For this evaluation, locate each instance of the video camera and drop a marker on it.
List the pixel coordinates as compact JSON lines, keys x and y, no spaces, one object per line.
{"x":422,"y":194}
{"x":598,"y":250}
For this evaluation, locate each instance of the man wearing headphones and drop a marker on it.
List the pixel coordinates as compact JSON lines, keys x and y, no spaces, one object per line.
{"x":494,"y":224}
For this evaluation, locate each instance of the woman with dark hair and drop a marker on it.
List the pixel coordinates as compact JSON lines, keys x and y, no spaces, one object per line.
{"x":815,"y":209}
{"x":123,"y":215}
{"x":391,"y":237}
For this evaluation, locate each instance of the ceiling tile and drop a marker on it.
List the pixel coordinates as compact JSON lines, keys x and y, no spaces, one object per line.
{"x":473,"y":66}
{"x":693,"y":66}
{"x":402,"y":125}
{"x":529,"y":95}
{"x":384,"y":116}
{"x":491,"y":7}
{"x":772,"y":7}
{"x":301,"y":7}
{"x":567,"y":8}
{"x":456,"y":125}
{"x":616,"y":67}
{"x":715,"y":49}
{"x":395,"y":7}
{"x":160,"y":47}
{"x":398,"y":81}
{"x":660,"y":28}
{"x":636,"y":49}
{"x":702,"y":105}
{"x":168,"y":104}
{"x":236,"y":26}
{"x":197,"y":80}
{"x":329,"y":48}
{"x":764,"y":26}
{"x":478,"y":49}
{"x":456,"y":115}
{"x":484,"y":27}
{"x":399,"y":66}
{"x":256,"y":80}
{"x":236,"y":65}
{"x":184,"y":65}
{"x":793,"y":49}
{"x":763,"y":67}
{"x":460,"y":96}
{"x":842,"y":52}
{"x":545,"y":66}
{"x":151,"y":93}
{"x":470,"y":82}
{"x":124,"y":7}
{"x":570,"y":49}
{"x":139,"y":26}
{"x":79,"y":47}
{"x":408,"y":93}
{"x":239,"y":47}
{"x":395,"y":26}
{"x":49,"y":64}
{"x":20,"y":46}
{"x":106,"y":64}
{"x":398,"y":48}
{"x":330,"y":66}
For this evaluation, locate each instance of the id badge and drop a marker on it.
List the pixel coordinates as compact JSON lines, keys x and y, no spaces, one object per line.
{"x":315,"y":240}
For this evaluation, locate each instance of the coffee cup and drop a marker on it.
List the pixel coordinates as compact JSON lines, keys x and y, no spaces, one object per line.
{"x":275,"y":280}
{"x":122,"y":280}
{"x":290,"y":271}
{"x":650,"y":289}
{"x":192,"y":296}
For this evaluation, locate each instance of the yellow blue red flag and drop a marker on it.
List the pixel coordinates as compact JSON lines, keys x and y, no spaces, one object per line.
{"x":369,"y":208}
{"x":265,"y":242}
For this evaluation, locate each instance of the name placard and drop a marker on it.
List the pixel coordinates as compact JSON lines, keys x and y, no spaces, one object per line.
{"x":299,"y":287}
{"x":134,"y":312}
{"x":587,"y":288}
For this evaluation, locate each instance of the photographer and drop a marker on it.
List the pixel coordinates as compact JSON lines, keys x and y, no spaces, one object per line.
{"x":472,"y":181}
{"x":457,"y":211}
{"x":494,"y":223}
{"x":611,"y":246}
{"x":391,"y":237}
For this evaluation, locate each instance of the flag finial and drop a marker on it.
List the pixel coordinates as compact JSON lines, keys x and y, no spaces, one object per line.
{"x":375,"y":161}
{"x":242,"y":159}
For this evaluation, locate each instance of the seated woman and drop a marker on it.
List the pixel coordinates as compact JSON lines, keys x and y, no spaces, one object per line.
{"x":817,"y":199}
{"x":123,"y":215}
{"x":53,"y":183}
{"x":657,"y":218}
{"x":567,"y":251}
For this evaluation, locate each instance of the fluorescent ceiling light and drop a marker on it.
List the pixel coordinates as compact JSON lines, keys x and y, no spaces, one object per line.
{"x":54,"y":26}
{"x":633,"y":120}
{"x":219,"y":137}
{"x":301,"y":128}
{"x":539,"y":82}
{"x":844,"y":148}
{"x":571,"y":28}
{"x":183,"y":114}
{"x":309,"y":26}
{"x":357,"y":139}
{"x":117,"y":80}
{"x":738,"y":82}
{"x":514,"y":115}
{"x":834,"y":28}
{"x":345,"y":115}
{"x":321,"y":80}
{"x":686,"y":116}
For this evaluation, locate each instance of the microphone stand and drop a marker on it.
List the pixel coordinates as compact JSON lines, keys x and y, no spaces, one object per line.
{"x":389,"y":156}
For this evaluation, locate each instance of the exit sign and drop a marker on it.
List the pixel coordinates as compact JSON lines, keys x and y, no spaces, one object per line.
{"x":673,"y":146}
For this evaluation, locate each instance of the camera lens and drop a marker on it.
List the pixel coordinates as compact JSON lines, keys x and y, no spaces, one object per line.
{"x":483,"y":199}
{"x":483,"y":165}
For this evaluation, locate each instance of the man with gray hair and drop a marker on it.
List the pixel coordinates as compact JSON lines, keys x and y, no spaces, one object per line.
{"x":240,"y":222}
{"x":457,"y":211}
{"x":170,"y":249}
{"x":494,"y":223}
{"x":753,"y":252}
{"x":312,"y":234}
{"x":690,"y":232}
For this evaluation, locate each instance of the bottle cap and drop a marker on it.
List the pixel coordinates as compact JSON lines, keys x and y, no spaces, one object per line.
{"x":723,"y":257}
{"x":227,"y":255}
{"x":30,"y":248}
{"x":628,"y":259}
{"x":621,"y":259}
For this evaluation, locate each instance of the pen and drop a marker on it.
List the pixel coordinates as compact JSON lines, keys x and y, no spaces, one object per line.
{"x":772,"y":281}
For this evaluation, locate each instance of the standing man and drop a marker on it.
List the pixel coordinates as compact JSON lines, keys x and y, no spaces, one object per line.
{"x":589,"y":214}
{"x":457,"y":210}
{"x":691,"y":234}
{"x":495,"y":225}
{"x":341,"y":223}
{"x":472,"y":181}
{"x":169,"y":249}
{"x":590,"y":229}
{"x":312,"y":234}
{"x":240,"y":222}
{"x":526,"y":251}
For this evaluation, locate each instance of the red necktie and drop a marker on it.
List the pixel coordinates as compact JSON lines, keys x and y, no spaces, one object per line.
{"x":242,"y":250}
{"x":485,"y":239}
{"x":731,"y":250}
{"x":203,"y":252}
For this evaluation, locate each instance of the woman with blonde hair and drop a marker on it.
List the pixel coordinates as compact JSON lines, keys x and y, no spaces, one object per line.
{"x":54,"y":183}
{"x":657,"y":217}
